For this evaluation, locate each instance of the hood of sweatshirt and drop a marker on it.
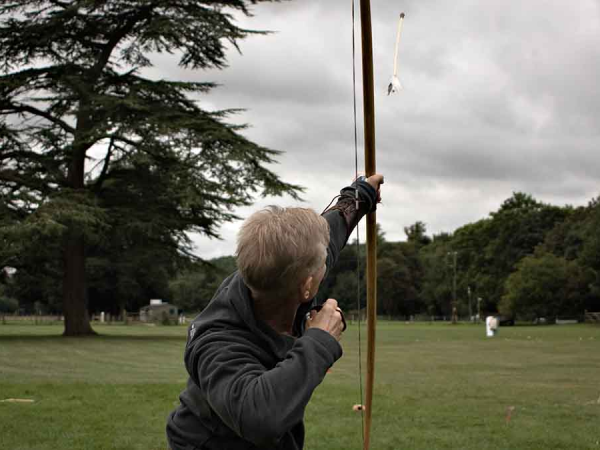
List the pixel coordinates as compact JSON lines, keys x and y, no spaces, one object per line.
{"x":232,"y":308}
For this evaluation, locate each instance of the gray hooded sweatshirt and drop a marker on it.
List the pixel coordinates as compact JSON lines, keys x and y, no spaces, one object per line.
{"x":248,"y":385}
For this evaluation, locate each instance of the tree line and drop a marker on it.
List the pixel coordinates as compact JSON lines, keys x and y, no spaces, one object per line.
{"x":526,"y":260}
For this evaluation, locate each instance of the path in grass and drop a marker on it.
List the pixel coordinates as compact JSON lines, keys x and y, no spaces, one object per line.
{"x":437,"y":386}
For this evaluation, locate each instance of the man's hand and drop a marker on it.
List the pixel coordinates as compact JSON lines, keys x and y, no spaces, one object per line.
{"x":328,"y":319}
{"x":376,"y":181}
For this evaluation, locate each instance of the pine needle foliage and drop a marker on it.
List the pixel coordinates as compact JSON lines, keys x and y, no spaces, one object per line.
{"x":73,"y":86}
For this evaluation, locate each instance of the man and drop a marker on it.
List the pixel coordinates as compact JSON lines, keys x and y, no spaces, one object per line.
{"x":264,"y":343}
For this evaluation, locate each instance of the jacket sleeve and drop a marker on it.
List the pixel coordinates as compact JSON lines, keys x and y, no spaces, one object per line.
{"x":342,"y":219}
{"x":257,"y":403}
{"x":344,"y":216}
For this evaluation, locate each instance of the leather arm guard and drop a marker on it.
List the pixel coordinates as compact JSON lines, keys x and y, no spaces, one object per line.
{"x":354,"y":202}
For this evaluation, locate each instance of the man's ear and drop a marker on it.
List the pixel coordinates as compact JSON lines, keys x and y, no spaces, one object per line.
{"x":306,"y":288}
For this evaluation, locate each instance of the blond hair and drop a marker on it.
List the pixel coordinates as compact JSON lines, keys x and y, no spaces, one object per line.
{"x":278,"y":248}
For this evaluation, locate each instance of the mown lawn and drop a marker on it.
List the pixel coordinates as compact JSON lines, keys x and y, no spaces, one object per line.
{"x":437,"y":387}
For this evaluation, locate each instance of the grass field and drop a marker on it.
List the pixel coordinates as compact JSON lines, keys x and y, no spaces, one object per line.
{"x":437,"y":387}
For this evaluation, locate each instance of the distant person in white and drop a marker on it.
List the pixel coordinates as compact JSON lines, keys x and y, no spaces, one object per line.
{"x":491,"y":326}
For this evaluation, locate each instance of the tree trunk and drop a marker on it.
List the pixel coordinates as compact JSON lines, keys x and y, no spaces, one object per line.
{"x":77,"y":319}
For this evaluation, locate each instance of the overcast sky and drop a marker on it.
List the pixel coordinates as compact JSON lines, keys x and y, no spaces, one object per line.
{"x":498,"y":97}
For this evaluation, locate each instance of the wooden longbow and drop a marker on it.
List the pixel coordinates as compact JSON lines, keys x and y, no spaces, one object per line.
{"x":370,"y":169}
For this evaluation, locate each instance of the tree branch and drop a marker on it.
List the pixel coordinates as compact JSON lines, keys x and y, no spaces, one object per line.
{"x":118,"y":35}
{"x":12,"y":108}
{"x":104,"y":171}
{"x":9,"y":175}
{"x":60,"y":4}
{"x":125,"y":140}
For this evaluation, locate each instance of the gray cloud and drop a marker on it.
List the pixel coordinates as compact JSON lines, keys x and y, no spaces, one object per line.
{"x":499,"y":97}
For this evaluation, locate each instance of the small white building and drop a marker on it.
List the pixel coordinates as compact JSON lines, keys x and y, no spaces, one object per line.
{"x":159,"y":311}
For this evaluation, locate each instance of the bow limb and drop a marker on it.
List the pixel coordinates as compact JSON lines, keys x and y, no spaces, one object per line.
{"x":370,"y":169}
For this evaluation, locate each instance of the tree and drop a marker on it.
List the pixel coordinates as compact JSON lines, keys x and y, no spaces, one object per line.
{"x":345,"y":290}
{"x":38,"y":271}
{"x":577,"y":239}
{"x":400,"y":276}
{"x":498,"y":243}
{"x":396,"y":290}
{"x":341,"y":281}
{"x":193,"y":288}
{"x":475,"y":266}
{"x":7,"y":304}
{"x":546,"y":285}
{"x":78,"y":119}
{"x":416,"y":233}
{"x":590,"y":254}
{"x":118,"y":280}
{"x":436,"y":290}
